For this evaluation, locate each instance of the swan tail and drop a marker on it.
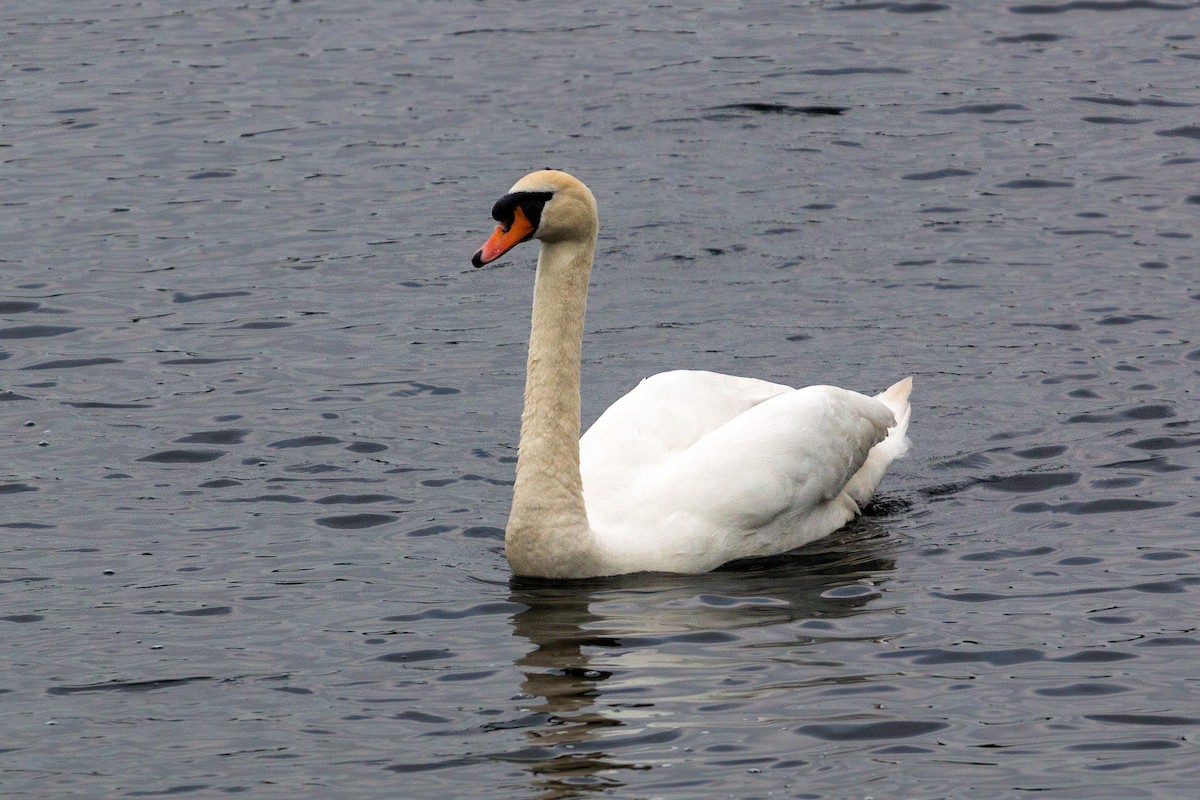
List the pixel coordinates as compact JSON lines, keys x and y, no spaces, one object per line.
{"x":861,"y":488}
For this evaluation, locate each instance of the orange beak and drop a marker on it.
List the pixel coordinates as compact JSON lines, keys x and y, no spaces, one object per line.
{"x":504,"y":239}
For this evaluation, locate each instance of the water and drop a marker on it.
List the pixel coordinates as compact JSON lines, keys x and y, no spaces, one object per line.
{"x":259,"y":416}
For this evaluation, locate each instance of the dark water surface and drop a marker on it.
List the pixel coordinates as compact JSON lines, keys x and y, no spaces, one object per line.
{"x":259,"y":416}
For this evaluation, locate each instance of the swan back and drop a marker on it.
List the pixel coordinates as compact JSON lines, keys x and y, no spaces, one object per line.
{"x":773,"y":471}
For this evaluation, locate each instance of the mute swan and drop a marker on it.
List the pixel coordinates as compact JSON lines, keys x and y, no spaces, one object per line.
{"x":690,"y":469}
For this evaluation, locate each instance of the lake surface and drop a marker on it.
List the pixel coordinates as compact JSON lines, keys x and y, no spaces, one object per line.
{"x":258,"y":415}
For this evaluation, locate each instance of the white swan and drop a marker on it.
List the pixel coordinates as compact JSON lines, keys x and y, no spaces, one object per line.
{"x":690,"y":469}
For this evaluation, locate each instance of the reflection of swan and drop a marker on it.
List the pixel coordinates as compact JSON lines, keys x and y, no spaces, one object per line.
{"x":815,"y":582}
{"x":689,"y":470}
{"x":562,"y":689}
{"x":613,"y":657}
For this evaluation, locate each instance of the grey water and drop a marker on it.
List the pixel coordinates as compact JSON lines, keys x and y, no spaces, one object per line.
{"x":258,"y":415}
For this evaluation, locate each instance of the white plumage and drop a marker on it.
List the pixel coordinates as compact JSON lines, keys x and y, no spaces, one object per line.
{"x":690,"y":469}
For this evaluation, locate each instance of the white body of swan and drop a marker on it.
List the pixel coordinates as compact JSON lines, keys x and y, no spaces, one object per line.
{"x":690,"y":469}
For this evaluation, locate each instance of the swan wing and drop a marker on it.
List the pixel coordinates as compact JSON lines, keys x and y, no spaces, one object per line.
{"x":766,"y":481}
{"x":795,"y":450}
{"x":658,"y":419}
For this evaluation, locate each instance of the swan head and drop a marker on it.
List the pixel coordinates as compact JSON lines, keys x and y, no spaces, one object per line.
{"x":547,"y":205}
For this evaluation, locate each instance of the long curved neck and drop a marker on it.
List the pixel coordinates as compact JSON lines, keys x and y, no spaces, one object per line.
{"x":548,"y":532}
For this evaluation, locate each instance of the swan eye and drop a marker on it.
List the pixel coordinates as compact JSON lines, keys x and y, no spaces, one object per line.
{"x":531,"y":203}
